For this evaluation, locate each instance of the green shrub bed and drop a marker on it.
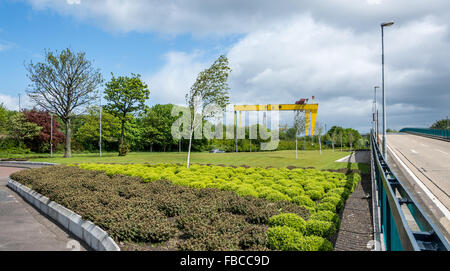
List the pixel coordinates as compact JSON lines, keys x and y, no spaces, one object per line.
{"x":322,"y":193}
{"x":205,"y":207}
{"x":159,"y":214}
{"x":311,"y":188}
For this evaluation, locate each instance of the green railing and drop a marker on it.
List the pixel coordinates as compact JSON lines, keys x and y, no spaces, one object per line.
{"x":445,"y":134}
{"x":392,"y":200}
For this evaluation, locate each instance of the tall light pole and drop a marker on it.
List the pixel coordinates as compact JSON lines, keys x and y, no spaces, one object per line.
{"x":51,"y":135}
{"x":100,"y":137}
{"x":375,"y":115}
{"x":383,"y":25}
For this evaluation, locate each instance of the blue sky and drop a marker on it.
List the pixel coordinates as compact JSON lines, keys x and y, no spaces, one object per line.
{"x":28,"y":32}
{"x":279,"y":51}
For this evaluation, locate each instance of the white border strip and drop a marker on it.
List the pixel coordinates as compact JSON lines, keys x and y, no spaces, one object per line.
{"x":87,"y":231}
{"x":433,"y":198}
{"x":27,"y":163}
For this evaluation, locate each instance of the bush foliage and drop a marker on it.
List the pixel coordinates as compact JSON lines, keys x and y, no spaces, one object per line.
{"x":159,"y":212}
{"x":205,"y":207}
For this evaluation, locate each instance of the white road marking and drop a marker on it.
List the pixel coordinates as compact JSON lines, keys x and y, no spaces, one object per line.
{"x":441,"y":151}
{"x":413,"y":151}
{"x":433,"y":198}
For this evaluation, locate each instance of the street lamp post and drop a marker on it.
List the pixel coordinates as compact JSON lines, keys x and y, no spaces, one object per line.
{"x":100,"y":136}
{"x":51,"y":135}
{"x":382,"y":85}
{"x":375,"y":112}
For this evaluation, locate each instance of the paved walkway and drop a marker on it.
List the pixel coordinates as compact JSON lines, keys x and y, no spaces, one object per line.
{"x":22,"y":227}
{"x":356,"y":230}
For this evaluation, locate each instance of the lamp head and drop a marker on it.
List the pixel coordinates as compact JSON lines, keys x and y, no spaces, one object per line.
{"x":387,"y":24}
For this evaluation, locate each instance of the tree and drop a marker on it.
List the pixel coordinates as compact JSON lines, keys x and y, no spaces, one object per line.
{"x":299,"y":126}
{"x":333,"y":139}
{"x":64,"y":84}
{"x":3,"y":118}
{"x":88,"y":134}
{"x":41,"y":142}
{"x":319,"y":129}
{"x":210,"y":88}
{"x":124,"y":96}
{"x":350,"y":140}
{"x":441,"y":124}
{"x":157,"y":123}
{"x":19,"y":128}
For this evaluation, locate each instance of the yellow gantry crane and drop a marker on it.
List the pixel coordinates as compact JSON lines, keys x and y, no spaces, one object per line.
{"x":309,"y":109}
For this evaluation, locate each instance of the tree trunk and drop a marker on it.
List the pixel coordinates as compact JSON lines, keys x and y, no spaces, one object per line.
{"x":296,"y":154}
{"x":189,"y":148}
{"x":122,"y":134}
{"x":320,"y":145}
{"x":68,"y":145}
{"x":179,"y":145}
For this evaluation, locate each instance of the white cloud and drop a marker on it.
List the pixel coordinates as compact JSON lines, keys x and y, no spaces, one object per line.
{"x":294,"y":49}
{"x":340,"y":67}
{"x":5,"y":45}
{"x":173,"y":80}
{"x":236,"y":16}
{"x":73,"y":2}
{"x":12,"y":102}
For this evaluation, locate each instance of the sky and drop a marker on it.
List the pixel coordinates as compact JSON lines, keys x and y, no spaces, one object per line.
{"x":279,"y":51}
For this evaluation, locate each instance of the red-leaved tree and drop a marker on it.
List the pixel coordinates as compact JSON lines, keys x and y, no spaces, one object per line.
{"x":41,"y":143}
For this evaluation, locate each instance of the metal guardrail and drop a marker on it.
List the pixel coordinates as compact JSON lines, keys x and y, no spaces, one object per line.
{"x":392,"y":196}
{"x":439,"y":133}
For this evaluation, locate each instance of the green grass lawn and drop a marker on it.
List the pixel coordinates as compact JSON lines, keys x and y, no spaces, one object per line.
{"x":254,"y":159}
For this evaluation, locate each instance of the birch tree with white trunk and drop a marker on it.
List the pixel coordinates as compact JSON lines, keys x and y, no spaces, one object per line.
{"x":299,"y":125}
{"x":210,"y":88}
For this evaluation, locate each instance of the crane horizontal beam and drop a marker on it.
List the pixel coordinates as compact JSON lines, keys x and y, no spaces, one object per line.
{"x":270,"y":107}
{"x":309,"y":109}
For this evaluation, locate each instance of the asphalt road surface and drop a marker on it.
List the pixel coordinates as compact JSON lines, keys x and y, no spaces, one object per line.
{"x":424,"y":166}
{"x":23,"y":228}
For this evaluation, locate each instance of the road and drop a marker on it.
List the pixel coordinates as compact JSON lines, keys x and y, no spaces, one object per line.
{"x":423,"y":165}
{"x":23,"y":228}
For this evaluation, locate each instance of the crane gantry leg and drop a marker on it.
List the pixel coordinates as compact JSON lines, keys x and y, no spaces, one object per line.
{"x":309,"y":109}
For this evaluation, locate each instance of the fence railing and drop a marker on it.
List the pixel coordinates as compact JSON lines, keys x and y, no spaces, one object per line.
{"x":442,"y":133}
{"x":395,"y":203}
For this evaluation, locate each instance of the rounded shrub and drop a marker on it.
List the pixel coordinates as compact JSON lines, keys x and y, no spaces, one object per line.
{"x":326,"y":206}
{"x":325,"y":215}
{"x":288,"y":219}
{"x":316,"y":243}
{"x":320,"y":228}
{"x":246,"y":190}
{"x":336,"y":201}
{"x":303,"y":200}
{"x":276,"y":196}
{"x":315,"y":194}
{"x":288,"y":239}
{"x":284,"y":238}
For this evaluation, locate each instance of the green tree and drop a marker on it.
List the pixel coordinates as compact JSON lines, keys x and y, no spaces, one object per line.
{"x":441,"y":124}
{"x":63,"y":85}
{"x":210,"y":88}
{"x":3,"y":118}
{"x":88,"y":134}
{"x":157,"y":123}
{"x":299,"y":126}
{"x":19,"y":128}
{"x":125,"y":96}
